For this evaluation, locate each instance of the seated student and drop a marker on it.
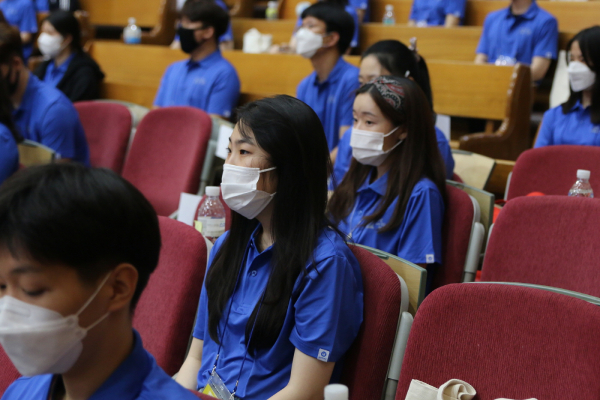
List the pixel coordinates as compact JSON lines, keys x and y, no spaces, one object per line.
{"x":21,"y":14}
{"x":206,"y":80}
{"x":282,"y":261}
{"x":71,"y":272}
{"x":324,"y":37}
{"x":225,"y":40}
{"x":53,"y":5}
{"x":391,"y":57}
{"x":68,"y":67}
{"x":392,"y":198}
{"x":446,"y":13}
{"x":9,"y":137}
{"x":42,"y":113}
{"x":577,"y":121}
{"x":523,"y":33}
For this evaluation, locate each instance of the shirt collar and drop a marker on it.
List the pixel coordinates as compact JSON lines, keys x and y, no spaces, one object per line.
{"x":254,"y":237}
{"x":63,"y":67}
{"x":334,"y":75}
{"x":578,"y":106}
{"x":379,"y":186}
{"x":207,"y":61}
{"x":532,"y":11}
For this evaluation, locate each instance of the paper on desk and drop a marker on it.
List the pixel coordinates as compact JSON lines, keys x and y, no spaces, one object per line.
{"x":224,"y":134}
{"x":188,"y":203}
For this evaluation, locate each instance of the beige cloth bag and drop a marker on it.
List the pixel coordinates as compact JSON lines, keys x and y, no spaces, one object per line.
{"x":454,"y":389}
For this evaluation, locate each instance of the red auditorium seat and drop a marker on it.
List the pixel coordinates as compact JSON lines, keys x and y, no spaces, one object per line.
{"x":165,"y":314}
{"x":548,"y":240}
{"x":107,"y":128}
{"x":367,"y":360}
{"x":167,"y":155}
{"x":506,"y":341}
{"x":552,"y":170}
{"x":8,"y":373}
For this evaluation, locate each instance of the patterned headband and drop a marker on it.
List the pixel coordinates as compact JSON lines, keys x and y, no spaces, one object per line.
{"x":390,"y":90}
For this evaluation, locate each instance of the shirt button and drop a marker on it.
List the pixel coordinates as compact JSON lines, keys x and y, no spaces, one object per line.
{"x":253,"y":273}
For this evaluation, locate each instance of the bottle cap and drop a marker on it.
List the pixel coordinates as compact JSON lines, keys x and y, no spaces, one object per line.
{"x":272,"y":4}
{"x":213,"y":191}
{"x":583,"y":174}
{"x":336,"y":392}
{"x":131,"y":21}
{"x":389,"y":7}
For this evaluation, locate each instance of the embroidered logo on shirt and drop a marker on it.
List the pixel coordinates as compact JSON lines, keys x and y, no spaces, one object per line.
{"x":200,"y":81}
{"x":429,"y":259}
{"x":331,"y":99}
{"x":323,"y":355}
{"x":548,"y":55}
{"x":596,"y":129}
{"x":525,"y":31}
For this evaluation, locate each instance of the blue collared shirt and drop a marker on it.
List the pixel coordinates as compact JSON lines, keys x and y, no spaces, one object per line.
{"x":42,"y":5}
{"x":331,"y":99}
{"x":21,"y":14}
{"x":350,"y":10}
{"x":138,"y":377}
{"x":47,"y":116}
{"x":322,"y":320}
{"x":344,"y":156}
{"x":519,"y":38}
{"x":55,"y":74}
{"x":211,"y":84}
{"x":574,"y":127}
{"x":434,"y":12}
{"x":9,"y":155}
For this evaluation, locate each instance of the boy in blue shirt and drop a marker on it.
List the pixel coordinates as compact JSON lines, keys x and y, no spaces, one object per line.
{"x":522,"y":33}
{"x":324,"y":37}
{"x":206,"y":81}
{"x":41,"y":112}
{"x":446,"y":13}
{"x":225,"y":40}
{"x":77,"y":247}
{"x":21,"y":14}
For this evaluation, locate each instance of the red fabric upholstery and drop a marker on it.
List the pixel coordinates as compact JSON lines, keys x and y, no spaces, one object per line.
{"x":549,"y":240}
{"x":367,"y":360}
{"x":456,"y":232}
{"x":165,"y":314}
{"x":507,"y":341}
{"x":457,"y":178}
{"x":552,"y":170}
{"x":167,"y":155}
{"x":107,"y":128}
{"x":8,"y":372}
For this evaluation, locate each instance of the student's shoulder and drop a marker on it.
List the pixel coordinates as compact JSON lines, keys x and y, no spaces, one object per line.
{"x":48,"y":97}
{"x":308,"y":80}
{"x":176,"y":66}
{"x":331,"y":245}
{"x":495,"y":16}
{"x":544,"y":17}
{"x":425,"y":188}
{"x":160,"y":386}
{"x":36,"y":387}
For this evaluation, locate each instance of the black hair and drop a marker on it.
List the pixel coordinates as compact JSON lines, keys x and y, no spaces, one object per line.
{"x":87,"y":219}
{"x":6,"y":108}
{"x":10,"y":43}
{"x":66,"y":24}
{"x":589,"y":42}
{"x":290,"y":132}
{"x":336,"y":19}
{"x":209,"y":13}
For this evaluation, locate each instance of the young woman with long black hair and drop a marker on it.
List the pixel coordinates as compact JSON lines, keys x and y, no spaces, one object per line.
{"x":9,"y":136}
{"x":282,"y":299}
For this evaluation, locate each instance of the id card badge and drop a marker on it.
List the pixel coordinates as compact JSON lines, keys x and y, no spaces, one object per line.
{"x":216,"y":388}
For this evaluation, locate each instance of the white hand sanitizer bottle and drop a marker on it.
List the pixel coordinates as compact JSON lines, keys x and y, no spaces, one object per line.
{"x":132,"y":34}
{"x":336,"y":392}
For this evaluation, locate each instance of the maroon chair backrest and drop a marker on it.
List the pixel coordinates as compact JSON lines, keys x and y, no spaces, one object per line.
{"x":8,"y":372}
{"x":552,"y":170}
{"x":165,"y":314}
{"x":366,"y":362}
{"x":546,"y":240}
{"x":506,"y":341}
{"x":456,"y":233}
{"x":107,"y":128}
{"x":167,"y":154}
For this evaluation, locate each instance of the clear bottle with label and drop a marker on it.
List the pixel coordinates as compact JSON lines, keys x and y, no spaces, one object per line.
{"x":389,"y":18}
{"x":336,"y":392}
{"x":210,"y":218}
{"x":132,"y":34}
{"x":582,"y":187}
{"x":271,"y":12}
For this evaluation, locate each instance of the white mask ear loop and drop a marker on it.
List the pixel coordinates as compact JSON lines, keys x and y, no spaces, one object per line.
{"x":87,"y":303}
{"x":392,"y":131}
{"x":266,"y":170}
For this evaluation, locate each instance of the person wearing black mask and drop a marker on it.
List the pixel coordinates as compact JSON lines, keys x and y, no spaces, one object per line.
{"x":206,"y":81}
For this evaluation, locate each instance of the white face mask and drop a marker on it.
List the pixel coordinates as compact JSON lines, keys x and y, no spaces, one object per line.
{"x":41,"y":341}
{"x":367,"y":146}
{"x":50,"y":45}
{"x":581,"y":76}
{"x":308,"y":42}
{"x":238,"y":186}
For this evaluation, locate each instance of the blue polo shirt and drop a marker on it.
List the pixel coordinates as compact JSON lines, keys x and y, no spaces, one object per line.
{"x":55,"y":74}
{"x":574,"y":127}
{"x":519,"y":38}
{"x":42,"y":5}
{"x":211,"y":84}
{"x":350,"y":10}
{"x":344,"y":155}
{"x":433,"y":12}
{"x":331,"y":99}
{"x":323,"y":318}
{"x":21,"y":14}
{"x":9,"y":154}
{"x":47,"y":116}
{"x":138,"y":377}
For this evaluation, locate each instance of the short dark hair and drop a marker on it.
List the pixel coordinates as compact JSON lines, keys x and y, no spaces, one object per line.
{"x":336,"y":20}
{"x":87,"y":219}
{"x":10,"y":43}
{"x":66,"y":24}
{"x":209,"y":13}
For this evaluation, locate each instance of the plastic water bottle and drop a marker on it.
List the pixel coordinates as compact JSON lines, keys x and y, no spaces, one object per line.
{"x":336,"y":392}
{"x":582,"y":187}
{"x":132,"y":34}
{"x":271,"y":12}
{"x":389,"y":18}
{"x":210,"y":219}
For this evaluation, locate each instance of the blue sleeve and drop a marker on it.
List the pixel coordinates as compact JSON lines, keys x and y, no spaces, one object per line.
{"x":421,"y":235}
{"x":9,"y":155}
{"x":301,"y":90}
{"x":161,"y":95}
{"x":350,"y":85}
{"x":484,"y":47}
{"x":343,"y":158}
{"x":413,"y":11}
{"x":456,"y":8}
{"x":42,"y":5}
{"x":546,"y":134}
{"x":445,"y":151}
{"x":328,"y":310}
{"x":359,"y":4}
{"x":547,"y":40}
{"x":225,"y":94}
{"x":354,"y":42}
{"x":298,"y":24}
{"x":59,"y":129}
{"x":228,"y":35}
{"x":28,"y":21}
